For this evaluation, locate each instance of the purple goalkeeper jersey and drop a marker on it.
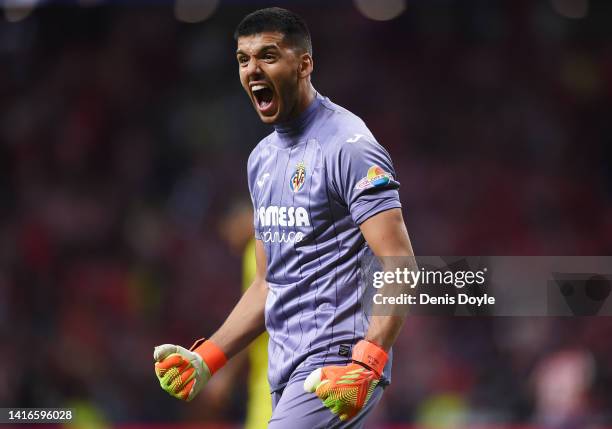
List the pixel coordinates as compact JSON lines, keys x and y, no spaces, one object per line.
{"x":313,"y":182}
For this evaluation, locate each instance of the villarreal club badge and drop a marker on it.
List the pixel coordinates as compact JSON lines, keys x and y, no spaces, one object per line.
{"x":297,"y":179}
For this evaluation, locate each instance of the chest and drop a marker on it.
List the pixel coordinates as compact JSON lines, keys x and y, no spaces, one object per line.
{"x":291,"y":192}
{"x":289,"y":176}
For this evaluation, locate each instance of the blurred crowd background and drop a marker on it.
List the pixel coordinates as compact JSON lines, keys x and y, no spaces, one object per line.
{"x":124,"y":135}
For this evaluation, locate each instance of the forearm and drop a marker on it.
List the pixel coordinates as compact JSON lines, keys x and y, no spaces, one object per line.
{"x":387,"y":236}
{"x":387,"y":319}
{"x":245,"y":322}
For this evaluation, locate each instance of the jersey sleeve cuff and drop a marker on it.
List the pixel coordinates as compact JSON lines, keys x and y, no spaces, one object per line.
{"x":364,"y":211}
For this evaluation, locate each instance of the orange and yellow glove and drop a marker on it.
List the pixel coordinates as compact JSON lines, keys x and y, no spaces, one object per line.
{"x":181,"y":372}
{"x":345,"y":390}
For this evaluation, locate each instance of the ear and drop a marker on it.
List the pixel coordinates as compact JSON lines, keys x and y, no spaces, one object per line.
{"x":306,"y":65}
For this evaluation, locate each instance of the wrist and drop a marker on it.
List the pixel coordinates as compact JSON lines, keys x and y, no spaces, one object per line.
{"x":370,"y":355}
{"x":211,"y":354}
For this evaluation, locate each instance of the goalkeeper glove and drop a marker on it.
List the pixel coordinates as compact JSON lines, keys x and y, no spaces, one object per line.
{"x":345,"y":390}
{"x":181,"y":372}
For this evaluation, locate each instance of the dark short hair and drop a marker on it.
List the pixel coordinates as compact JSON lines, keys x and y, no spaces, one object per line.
{"x":291,"y":25}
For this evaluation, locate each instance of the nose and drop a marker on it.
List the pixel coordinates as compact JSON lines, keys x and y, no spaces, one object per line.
{"x":253,"y":71}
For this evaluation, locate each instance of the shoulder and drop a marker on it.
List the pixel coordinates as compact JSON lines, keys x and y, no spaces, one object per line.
{"x":347,"y":131}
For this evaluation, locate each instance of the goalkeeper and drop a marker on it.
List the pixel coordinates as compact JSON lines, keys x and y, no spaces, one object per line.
{"x":325,"y":196}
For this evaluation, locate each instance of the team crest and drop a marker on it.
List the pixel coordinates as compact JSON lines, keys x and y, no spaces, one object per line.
{"x":298,"y":178}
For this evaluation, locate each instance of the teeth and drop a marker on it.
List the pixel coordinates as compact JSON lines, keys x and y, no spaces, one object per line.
{"x":257,"y":87}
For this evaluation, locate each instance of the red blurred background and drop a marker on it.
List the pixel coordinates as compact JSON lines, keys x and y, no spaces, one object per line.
{"x":124,"y":135}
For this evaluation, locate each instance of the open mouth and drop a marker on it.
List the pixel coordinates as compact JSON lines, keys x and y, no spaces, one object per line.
{"x":264,"y":98}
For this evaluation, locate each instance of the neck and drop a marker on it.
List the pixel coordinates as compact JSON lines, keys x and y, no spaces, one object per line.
{"x":305,"y":96}
{"x":305,"y":106}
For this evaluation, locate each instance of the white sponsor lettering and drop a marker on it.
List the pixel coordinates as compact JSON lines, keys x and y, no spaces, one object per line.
{"x":282,"y":216}
{"x":270,"y":236}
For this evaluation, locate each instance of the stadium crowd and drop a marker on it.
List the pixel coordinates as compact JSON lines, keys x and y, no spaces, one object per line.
{"x":123,"y":141}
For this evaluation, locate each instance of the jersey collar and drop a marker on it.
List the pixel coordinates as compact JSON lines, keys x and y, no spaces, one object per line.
{"x":288,"y":131}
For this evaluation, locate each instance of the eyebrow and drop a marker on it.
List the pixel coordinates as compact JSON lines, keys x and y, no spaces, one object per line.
{"x":264,"y":48}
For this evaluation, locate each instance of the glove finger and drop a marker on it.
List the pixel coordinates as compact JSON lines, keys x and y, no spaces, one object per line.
{"x":334,"y":406}
{"x":313,"y":380}
{"x":168,"y":378}
{"x":174,"y":360}
{"x":329,"y":403}
{"x":323,"y":389}
{"x":186,"y":373}
{"x":186,"y":392}
{"x":342,"y":410}
{"x":175,"y":379}
{"x":160,"y":371}
{"x":183,"y":384}
{"x":348,"y":415}
{"x":165,"y":381}
{"x":162,"y":352}
{"x":170,"y":374}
